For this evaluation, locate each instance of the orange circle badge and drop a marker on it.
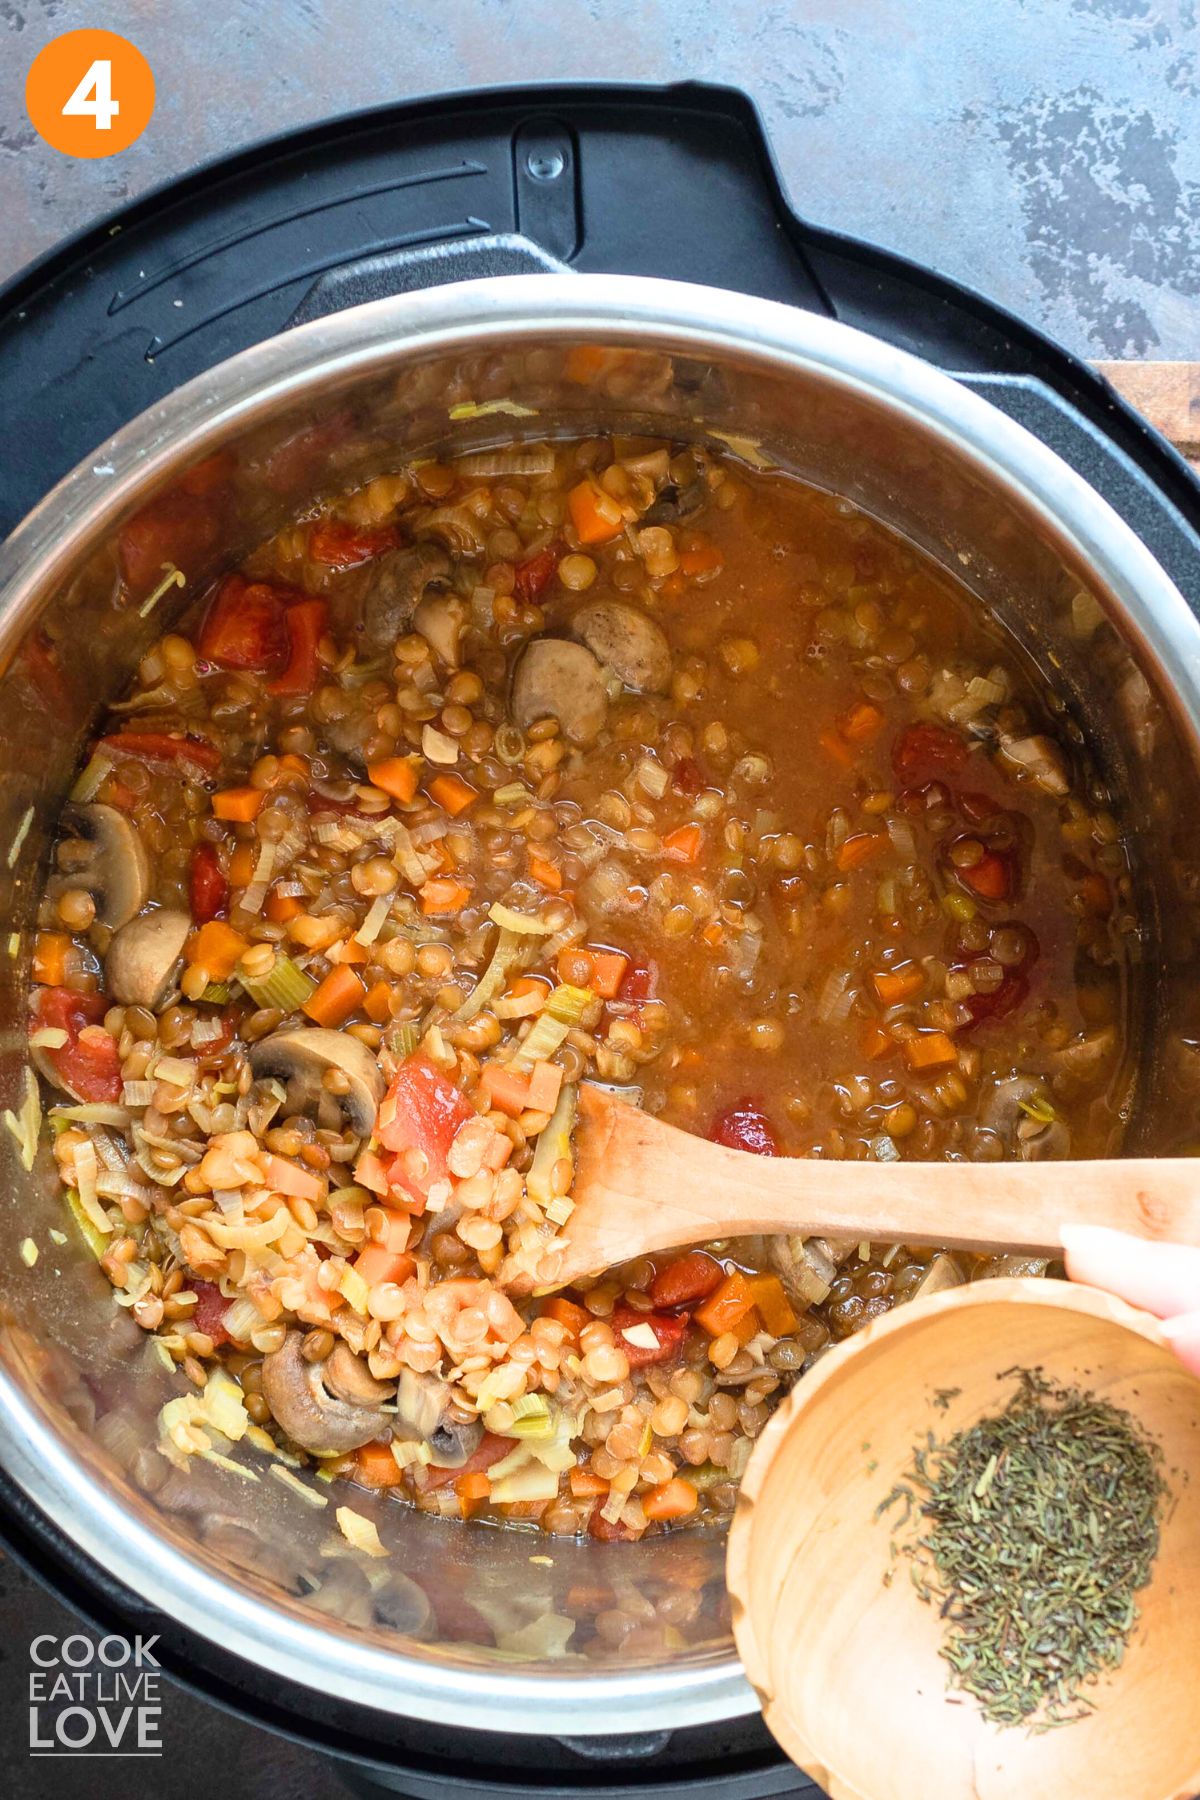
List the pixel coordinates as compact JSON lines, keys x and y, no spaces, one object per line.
{"x":90,"y":93}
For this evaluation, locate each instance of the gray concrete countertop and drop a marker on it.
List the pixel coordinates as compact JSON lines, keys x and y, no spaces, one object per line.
{"x":1045,"y":151}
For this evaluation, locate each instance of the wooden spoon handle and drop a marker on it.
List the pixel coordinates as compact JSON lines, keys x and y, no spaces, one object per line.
{"x":649,"y":1187}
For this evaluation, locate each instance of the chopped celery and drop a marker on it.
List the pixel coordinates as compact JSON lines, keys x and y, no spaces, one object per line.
{"x":533,"y":1482}
{"x":285,"y":985}
{"x":544,"y":1039}
{"x":216,"y":994}
{"x":569,"y":1003}
{"x":483,"y":409}
{"x":403,"y":1039}
{"x":507,"y":955}
{"x":91,"y":778}
{"x":553,"y":1144}
{"x":513,"y":793}
{"x":96,"y":1241}
{"x":516,"y":921}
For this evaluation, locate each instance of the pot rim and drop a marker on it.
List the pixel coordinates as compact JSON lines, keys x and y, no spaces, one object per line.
{"x":205,"y":413}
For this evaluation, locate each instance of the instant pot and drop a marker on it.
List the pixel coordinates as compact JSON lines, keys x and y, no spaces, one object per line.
{"x":409,"y":282}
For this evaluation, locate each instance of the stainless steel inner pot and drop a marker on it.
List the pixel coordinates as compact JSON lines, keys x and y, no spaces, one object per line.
{"x":248,"y":1564}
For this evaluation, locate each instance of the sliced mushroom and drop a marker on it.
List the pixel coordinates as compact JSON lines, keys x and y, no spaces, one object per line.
{"x":629,"y":642}
{"x":804,"y":1267}
{"x":675,"y":503}
{"x":1034,"y":1140}
{"x":1041,"y":759}
{"x":560,"y":680}
{"x":441,"y":620}
{"x":400,"y":581}
{"x":313,"y":1417}
{"x":943,"y":1272}
{"x":139,"y":968}
{"x":422,"y":1403}
{"x":302,"y":1058}
{"x":104,"y":854}
{"x":997,"y":1267}
{"x":347,"y":1377}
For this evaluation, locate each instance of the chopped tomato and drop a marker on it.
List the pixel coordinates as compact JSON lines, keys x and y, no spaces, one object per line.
{"x":489,"y":1450}
{"x":208,"y":890}
{"x":640,"y":983}
{"x":211,"y":1307}
{"x":991,"y":878}
{"x":607,"y":1532}
{"x":207,"y":477}
{"x":340,"y":545}
{"x":305,"y":625}
{"x":687,"y":777}
{"x":976,"y":807}
{"x":688,"y":1279}
{"x":87,"y":1063}
{"x":744,"y":1126}
{"x":245,"y":627}
{"x":418,"y":1121}
{"x":160,"y":746}
{"x":532,"y":576}
{"x":922,"y":751}
{"x":1010,"y":993}
{"x":668,"y":1328}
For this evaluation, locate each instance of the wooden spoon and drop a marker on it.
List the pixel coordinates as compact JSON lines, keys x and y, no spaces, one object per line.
{"x":642,"y":1186}
{"x":848,"y":1669}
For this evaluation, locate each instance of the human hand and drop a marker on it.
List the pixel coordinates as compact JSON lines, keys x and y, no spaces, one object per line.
{"x":1161,"y":1278}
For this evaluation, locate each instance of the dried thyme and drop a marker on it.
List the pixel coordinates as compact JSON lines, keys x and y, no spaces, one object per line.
{"x":1032,"y":1531}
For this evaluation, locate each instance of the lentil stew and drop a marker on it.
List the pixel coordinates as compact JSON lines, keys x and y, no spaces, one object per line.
{"x":605,"y":760}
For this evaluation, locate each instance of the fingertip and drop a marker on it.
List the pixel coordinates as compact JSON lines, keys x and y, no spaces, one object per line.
{"x":1183,"y":1334}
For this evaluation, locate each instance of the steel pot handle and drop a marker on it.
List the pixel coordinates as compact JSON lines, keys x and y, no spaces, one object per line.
{"x":430,"y":265}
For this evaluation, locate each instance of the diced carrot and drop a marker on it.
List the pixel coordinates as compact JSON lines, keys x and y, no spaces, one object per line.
{"x":568,"y":1314}
{"x":585,"y":363}
{"x":525,"y":1509}
{"x":216,"y":947}
{"x":282,"y":907}
{"x":772,"y":1304}
{"x":876,"y":1042}
{"x":377,"y":1263}
{"x":239,"y":804}
{"x":594,"y":514}
{"x":348,"y":951}
{"x":444,"y":894}
{"x":683,"y":844}
{"x":989,"y":877}
{"x":859,"y":849}
{"x":376,"y":1467}
{"x":378,"y":1003}
{"x":673,"y":1499}
{"x":700,"y":559}
{"x":475,"y":1485}
{"x":601,"y":970}
{"x":241,"y":865}
{"x":286,"y":1178}
{"x":835,"y":746}
{"x":713,"y":932}
{"x":544,"y":871}
{"x":370,"y":1173}
{"x":726,"y":1306}
{"x":291,"y":764}
{"x":893,"y":985}
{"x":452,"y":794}
{"x":507,"y":1090}
{"x":747,"y":1326}
{"x":585,"y":1482}
{"x":340,"y":994}
{"x":862,"y":723}
{"x":396,"y":775}
{"x":930,"y":1050}
{"x":544,"y":1085}
{"x":50,"y":951}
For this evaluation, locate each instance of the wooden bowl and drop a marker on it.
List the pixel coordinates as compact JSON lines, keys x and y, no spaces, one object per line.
{"x":848,"y":1671}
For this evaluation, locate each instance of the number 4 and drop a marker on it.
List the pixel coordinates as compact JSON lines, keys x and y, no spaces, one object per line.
{"x":93,"y":99}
